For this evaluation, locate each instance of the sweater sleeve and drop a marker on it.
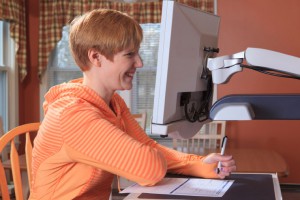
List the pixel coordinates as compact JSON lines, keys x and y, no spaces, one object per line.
{"x":93,"y":140}
{"x":177,"y":162}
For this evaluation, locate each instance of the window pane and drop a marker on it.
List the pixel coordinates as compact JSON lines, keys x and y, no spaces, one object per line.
{"x":1,"y":44}
{"x":149,"y":45}
{"x":62,"y":67}
{"x":58,"y":77}
{"x":144,"y":81}
{"x":62,"y":56}
{"x":3,"y":76}
{"x":3,"y":98}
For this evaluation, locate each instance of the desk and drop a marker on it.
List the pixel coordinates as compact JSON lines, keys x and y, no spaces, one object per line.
{"x":247,"y":161}
{"x":256,"y":161}
{"x":238,"y":187}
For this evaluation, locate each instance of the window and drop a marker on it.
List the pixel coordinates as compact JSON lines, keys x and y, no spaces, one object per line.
{"x":142,"y":93}
{"x":8,"y":79}
{"x":3,"y":95}
{"x":62,"y":68}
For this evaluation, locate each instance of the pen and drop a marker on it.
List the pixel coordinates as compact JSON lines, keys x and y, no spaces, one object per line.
{"x":223,"y":146}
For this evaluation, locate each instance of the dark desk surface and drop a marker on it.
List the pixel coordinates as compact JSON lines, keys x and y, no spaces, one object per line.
{"x":246,"y":186}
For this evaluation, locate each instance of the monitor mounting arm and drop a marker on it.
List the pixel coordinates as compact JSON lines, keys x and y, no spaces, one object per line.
{"x":248,"y":107}
{"x":224,"y":67}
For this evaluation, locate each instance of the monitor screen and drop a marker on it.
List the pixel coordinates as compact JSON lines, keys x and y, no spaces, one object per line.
{"x":183,"y":87}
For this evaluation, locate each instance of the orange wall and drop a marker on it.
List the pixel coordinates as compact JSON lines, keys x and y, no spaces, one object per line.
{"x":274,"y":25}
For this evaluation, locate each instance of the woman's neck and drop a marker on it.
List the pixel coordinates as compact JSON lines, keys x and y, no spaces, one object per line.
{"x":96,"y":85}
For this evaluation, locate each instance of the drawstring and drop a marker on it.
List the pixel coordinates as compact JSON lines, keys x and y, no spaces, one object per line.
{"x":119,"y":185}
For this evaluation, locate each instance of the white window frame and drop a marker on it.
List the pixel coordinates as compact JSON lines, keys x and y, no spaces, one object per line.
{"x":8,"y":66}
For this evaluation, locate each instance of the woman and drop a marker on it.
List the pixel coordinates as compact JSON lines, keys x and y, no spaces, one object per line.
{"x":88,"y":134}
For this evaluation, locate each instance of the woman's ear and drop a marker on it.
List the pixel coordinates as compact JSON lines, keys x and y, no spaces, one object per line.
{"x":95,"y":57}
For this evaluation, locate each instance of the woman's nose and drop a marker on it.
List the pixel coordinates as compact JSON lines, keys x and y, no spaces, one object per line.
{"x":138,"y":61}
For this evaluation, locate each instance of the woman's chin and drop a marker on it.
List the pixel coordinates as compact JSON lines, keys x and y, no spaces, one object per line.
{"x":127,"y":87}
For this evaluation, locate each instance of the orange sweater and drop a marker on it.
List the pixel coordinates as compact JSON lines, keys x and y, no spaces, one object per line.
{"x":82,"y":143}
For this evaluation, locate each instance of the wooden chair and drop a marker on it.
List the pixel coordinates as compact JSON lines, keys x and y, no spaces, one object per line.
{"x":16,"y":160}
{"x":209,"y":137}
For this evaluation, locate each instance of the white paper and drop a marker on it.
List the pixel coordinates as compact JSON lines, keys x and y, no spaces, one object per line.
{"x":185,"y":186}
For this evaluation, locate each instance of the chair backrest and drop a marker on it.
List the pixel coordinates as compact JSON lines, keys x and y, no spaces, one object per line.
{"x":14,"y":162}
{"x":141,"y":118}
{"x":209,"y":137}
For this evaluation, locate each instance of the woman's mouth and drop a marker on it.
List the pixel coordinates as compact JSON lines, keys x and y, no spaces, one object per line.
{"x":130,"y":74}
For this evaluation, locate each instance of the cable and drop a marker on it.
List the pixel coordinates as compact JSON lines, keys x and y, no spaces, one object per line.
{"x":204,"y":108}
{"x":271,"y":72}
{"x":193,"y":118}
{"x":202,"y":113}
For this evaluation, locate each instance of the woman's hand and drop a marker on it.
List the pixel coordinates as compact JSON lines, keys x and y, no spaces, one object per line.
{"x":227,"y":163}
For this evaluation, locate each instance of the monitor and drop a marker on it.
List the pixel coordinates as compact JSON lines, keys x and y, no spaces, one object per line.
{"x":183,"y":87}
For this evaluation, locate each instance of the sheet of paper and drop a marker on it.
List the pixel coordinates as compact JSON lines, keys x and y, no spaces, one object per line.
{"x":185,"y":186}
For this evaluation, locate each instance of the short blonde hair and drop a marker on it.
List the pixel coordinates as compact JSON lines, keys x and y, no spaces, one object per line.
{"x":107,"y":31}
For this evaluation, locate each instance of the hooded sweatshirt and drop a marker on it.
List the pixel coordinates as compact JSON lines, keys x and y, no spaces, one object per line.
{"x":82,"y":143}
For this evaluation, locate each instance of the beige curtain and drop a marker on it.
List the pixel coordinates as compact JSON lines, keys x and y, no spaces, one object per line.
{"x":56,"y":14}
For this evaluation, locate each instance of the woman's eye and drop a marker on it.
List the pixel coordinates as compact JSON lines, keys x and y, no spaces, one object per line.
{"x":130,"y":54}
